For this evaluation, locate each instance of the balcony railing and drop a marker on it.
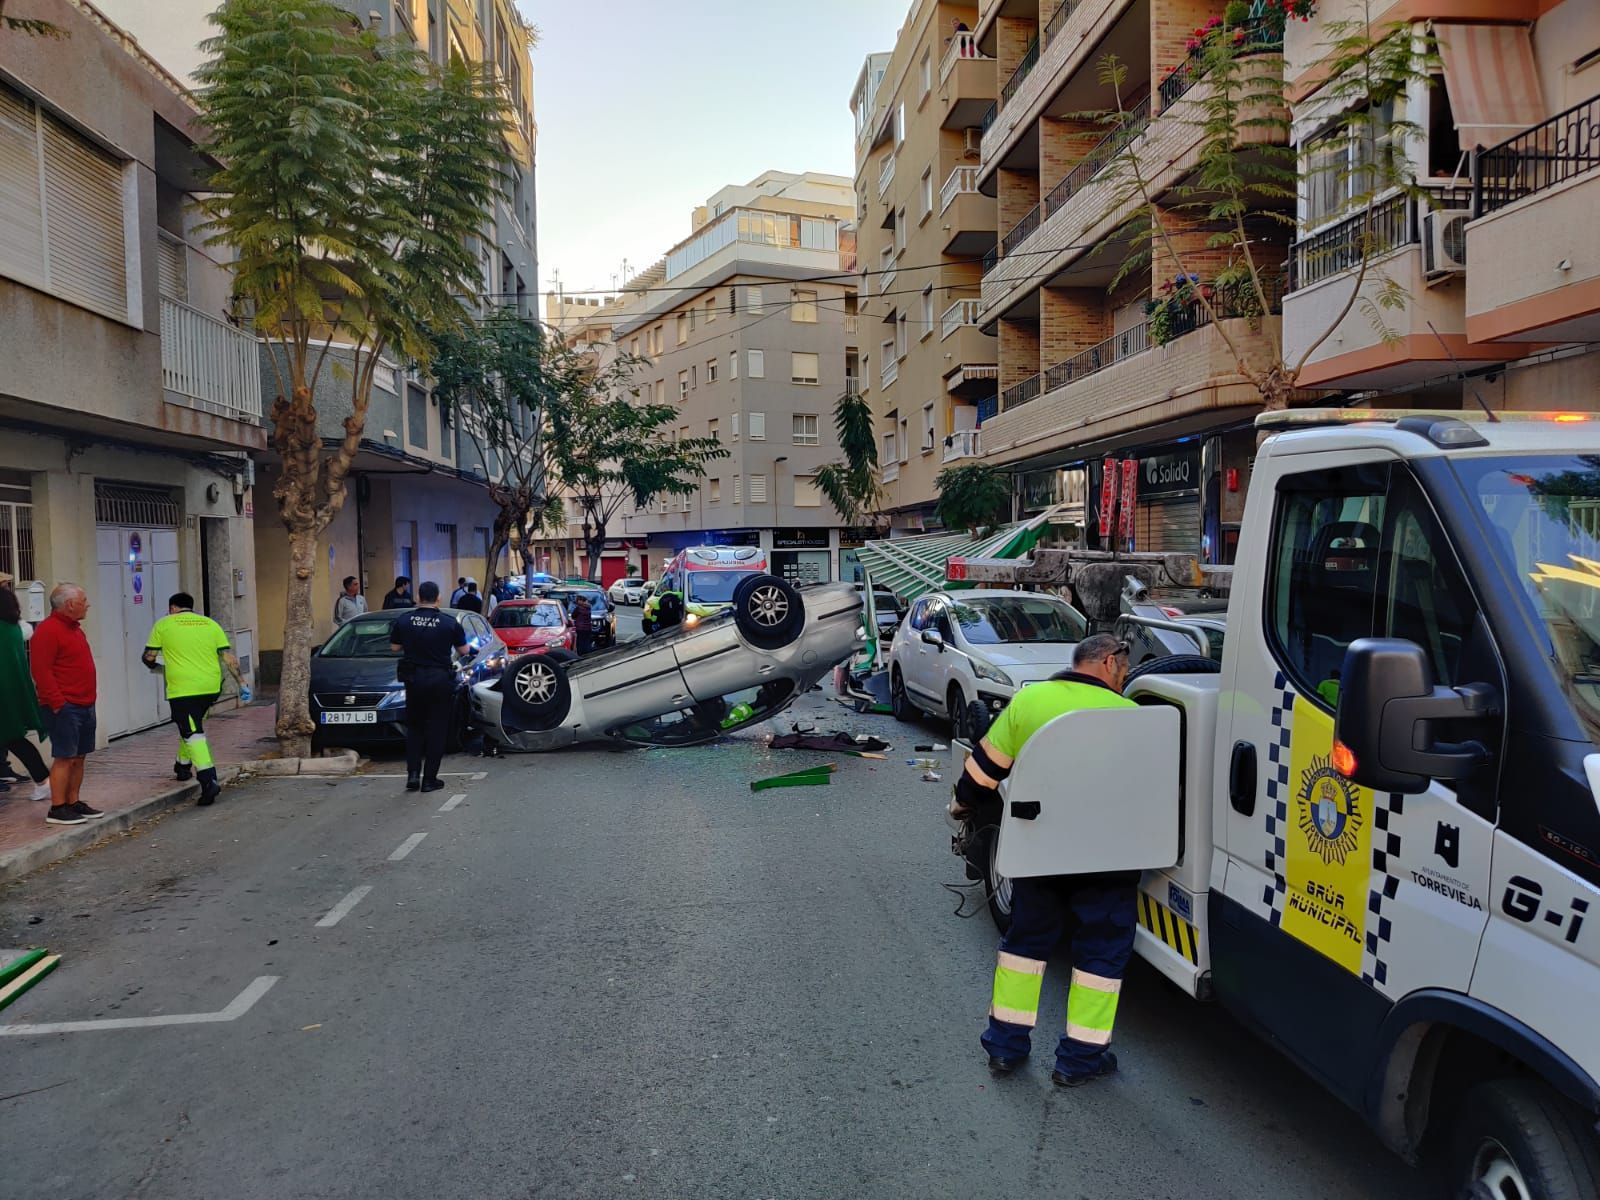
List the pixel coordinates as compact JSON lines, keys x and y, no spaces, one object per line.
{"x":852,"y":385}
{"x":851,"y":323}
{"x":963,"y":45}
{"x":1021,"y":231}
{"x":1262,"y":37}
{"x":1340,"y":247}
{"x":209,"y":363}
{"x":1566,"y":145}
{"x":1100,"y":156}
{"x":962,"y":312}
{"x":891,"y":472}
{"x":1021,"y":393}
{"x":988,"y":118}
{"x":962,"y":179}
{"x":1114,"y":349}
{"x":963,"y":443}
{"x":1057,"y":20}
{"x":990,"y":257}
{"x":885,"y":175}
{"x":1030,"y":59}
{"x":888,"y":371}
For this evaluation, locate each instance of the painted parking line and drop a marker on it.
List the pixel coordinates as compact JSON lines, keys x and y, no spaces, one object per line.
{"x":452,"y":802}
{"x":342,"y":909}
{"x":242,"y":1003}
{"x":407,"y":846}
{"x":474,"y":776}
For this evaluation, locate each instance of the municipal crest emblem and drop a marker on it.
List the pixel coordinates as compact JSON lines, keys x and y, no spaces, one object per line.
{"x":1330,"y":812}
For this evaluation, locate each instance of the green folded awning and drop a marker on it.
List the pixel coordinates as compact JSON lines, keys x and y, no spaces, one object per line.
{"x":910,"y":566}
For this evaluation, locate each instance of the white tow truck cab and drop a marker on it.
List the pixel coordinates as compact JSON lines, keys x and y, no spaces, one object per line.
{"x":1388,"y":796}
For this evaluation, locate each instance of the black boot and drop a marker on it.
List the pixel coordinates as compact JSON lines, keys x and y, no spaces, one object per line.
{"x":210,"y":789}
{"x":183,"y":771}
{"x":432,"y":785}
{"x":413,"y":782}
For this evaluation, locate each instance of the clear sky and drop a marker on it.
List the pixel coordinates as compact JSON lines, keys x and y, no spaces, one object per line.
{"x":646,"y":108}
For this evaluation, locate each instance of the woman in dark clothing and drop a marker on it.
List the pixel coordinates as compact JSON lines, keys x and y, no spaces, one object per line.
{"x":19,"y":705}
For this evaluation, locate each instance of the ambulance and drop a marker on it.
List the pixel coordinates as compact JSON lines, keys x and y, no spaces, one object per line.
{"x":698,"y":582}
{"x":1372,"y":829}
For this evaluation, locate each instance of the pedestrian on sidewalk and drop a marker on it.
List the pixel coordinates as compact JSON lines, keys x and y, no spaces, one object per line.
{"x":351,"y":603}
{"x":424,"y":638}
{"x":193,"y":649}
{"x":64,"y":678}
{"x":470,"y":600}
{"x":19,"y":703}
{"x":399,"y":596}
{"x":461,"y":590}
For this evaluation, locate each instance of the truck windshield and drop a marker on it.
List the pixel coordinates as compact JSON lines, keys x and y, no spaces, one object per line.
{"x":1544,"y":513}
{"x":713,"y":587}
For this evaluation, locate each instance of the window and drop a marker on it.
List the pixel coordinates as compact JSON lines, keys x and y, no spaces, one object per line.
{"x":733,"y":364}
{"x":691,"y":320}
{"x":733,"y":426}
{"x":661,"y":391}
{"x":1358,"y":553}
{"x":805,"y":429}
{"x":927,"y":192}
{"x":804,"y":308}
{"x":683,"y":433}
{"x":733,"y":300}
{"x":927,"y":428}
{"x":633,"y":348}
{"x":753,"y":301}
{"x":683,"y":385}
{"x":1359,"y":159}
{"x":925,"y":73}
{"x":738,"y":490}
{"x":904,"y":439}
{"x":758,"y":489}
{"x":683,"y":328}
{"x":900,"y":125}
{"x":714,"y":429}
{"x":803,"y":367}
{"x":711,"y":370}
{"x":927,"y":311}
{"x":711,"y":310}
{"x":806,"y":494}
{"x":714,"y":490}
{"x":416,"y":416}
{"x":694,"y":376}
{"x":900,"y":336}
{"x":900,"y":232}
{"x":758,"y":427}
{"x":64,"y":227}
{"x":888,"y":444}
{"x":758,"y":364}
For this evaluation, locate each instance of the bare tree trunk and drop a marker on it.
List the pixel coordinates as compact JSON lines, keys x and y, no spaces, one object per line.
{"x":594,"y":541}
{"x":294,"y":728}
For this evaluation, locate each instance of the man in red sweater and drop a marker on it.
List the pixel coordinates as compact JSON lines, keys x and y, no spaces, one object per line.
{"x":63,"y":675}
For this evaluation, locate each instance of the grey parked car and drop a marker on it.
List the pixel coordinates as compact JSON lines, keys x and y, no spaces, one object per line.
{"x":687,"y":685}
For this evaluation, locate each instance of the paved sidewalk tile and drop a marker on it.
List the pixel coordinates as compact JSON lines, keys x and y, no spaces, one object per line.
{"x":133,"y":769}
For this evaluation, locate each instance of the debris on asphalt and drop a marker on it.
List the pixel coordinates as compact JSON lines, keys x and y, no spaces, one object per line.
{"x":926,"y":764}
{"x":810,"y":777}
{"x":931,"y":746}
{"x":864,"y":746}
{"x":931,"y":777}
{"x":23,"y":969}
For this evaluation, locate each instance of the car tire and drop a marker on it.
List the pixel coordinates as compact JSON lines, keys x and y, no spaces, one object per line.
{"x":955,"y":704}
{"x":899,"y":702}
{"x":536,"y":691}
{"x":1518,"y":1137}
{"x":1174,"y":664}
{"x":768,"y":611}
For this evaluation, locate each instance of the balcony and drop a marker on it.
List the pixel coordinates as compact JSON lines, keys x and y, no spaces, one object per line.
{"x":1531,"y":273}
{"x":1058,"y":19}
{"x":888,"y":371}
{"x":852,"y":385}
{"x":885,"y":176}
{"x":962,"y":312}
{"x":1099,"y":157}
{"x":963,"y":443}
{"x":966,"y":83}
{"x":963,"y":47}
{"x":1022,"y":393}
{"x":1021,"y":231}
{"x":886,"y":275}
{"x":891,"y":472}
{"x":209,"y":365}
{"x":1030,"y":59}
{"x":958,"y":182}
{"x":852,"y":324}
{"x":1263,"y":38}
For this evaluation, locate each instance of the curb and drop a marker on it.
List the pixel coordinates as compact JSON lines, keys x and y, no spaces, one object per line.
{"x":66,"y":842}
{"x":347,"y":762}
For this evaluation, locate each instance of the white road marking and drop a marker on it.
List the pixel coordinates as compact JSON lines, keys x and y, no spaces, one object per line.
{"x":242,"y":1003}
{"x":473,"y":775}
{"x":452,"y":802}
{"x":342,"y":909}
{"x":407,"y":846}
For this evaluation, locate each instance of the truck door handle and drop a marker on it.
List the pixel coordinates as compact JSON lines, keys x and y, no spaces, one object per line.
{"x":1242,"y":779}
{"x":1025,"y":810}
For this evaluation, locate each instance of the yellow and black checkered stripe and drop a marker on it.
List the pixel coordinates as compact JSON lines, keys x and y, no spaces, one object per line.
{"x":1179,"y":935}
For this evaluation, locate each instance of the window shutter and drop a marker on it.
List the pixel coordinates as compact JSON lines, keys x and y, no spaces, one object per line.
{"x":83,"y":194}
{"x":758,"y":489}
{"x":22,"y":230}
{"x":758,"y":433}
{"x":172,"y":260}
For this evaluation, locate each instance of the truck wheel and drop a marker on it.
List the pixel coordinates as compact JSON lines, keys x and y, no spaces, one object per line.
{"x":1517,"y":1139}
{"x":997,"y":885}
{"x":1175,"y":664}
{"x":536,"y":691}
{"x":768,"y":611}
{"x":900,"y":703}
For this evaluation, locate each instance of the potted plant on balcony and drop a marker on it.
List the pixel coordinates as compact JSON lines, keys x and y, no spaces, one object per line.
{"x":1167,"y":315}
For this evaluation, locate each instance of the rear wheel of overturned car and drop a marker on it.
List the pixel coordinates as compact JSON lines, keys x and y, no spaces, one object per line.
{"x":768,"y":611}
{"x":536,"y":691}
{"x":1174,"y":664}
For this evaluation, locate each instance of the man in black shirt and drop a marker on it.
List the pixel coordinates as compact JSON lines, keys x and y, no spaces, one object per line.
{"x":470,"y":600}
{"x":399,"y":596}
{"x":424,"y":637}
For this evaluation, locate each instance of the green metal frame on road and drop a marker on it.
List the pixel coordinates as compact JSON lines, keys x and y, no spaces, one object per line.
{"x":912,"y":566}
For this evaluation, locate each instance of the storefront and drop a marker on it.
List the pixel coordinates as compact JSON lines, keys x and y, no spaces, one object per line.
{"x":851,"y":539}
{"x":802,"y":556}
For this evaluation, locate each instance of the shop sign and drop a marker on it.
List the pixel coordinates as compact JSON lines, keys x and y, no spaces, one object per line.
{"x":856,"y":535}
{"x":1108,"y":495}
{"x":1130,"y":497}
{"x":799,"y":539}
{"x":1170,"y":474}
{"x":1041,"y":489}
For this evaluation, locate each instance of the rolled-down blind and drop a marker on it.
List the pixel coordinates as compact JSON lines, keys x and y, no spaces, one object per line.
{"x":172,"y":259}
{"x":83,"y":198}
{"x":1168,"y":526}
{"x":22,"y":225}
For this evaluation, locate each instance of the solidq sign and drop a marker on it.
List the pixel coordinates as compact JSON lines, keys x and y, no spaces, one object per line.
{"x":1169,"y":474}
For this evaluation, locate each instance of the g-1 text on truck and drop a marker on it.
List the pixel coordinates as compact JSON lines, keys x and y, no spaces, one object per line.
{"x":1387,"y":806}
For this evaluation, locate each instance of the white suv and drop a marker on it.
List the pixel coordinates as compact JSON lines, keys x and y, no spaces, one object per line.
{"x":957,"y":647}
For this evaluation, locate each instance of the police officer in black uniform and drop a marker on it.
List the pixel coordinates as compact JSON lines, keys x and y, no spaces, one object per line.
{"x":424,"y":636}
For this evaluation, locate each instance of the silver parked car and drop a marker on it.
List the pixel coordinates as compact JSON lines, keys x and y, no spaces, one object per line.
{"x":691,"y":684}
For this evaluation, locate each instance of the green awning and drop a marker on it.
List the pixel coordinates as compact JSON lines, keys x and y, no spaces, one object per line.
{"x":910,"y":566}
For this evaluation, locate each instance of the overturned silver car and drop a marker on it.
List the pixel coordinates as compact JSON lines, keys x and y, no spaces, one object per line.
{"x":690,"y":684}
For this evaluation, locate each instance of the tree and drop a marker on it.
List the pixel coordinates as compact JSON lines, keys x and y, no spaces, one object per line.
{"x":489,"y":378}
{"x":851,"y":486}
{"x":353,"y":175}
{"x":974,"y":497}
{"x":1247,"y":177}
{"x":604,"y":448}
{"x":27,"y":26}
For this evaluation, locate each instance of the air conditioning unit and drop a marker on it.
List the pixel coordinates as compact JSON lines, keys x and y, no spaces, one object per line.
{"x":973,"y":145}
{"x":1444,"y":242}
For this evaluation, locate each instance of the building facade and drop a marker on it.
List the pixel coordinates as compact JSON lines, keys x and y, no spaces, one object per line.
{"x":130,"y":401}
{"x":749,"y":325}
{"x":931,"y":369}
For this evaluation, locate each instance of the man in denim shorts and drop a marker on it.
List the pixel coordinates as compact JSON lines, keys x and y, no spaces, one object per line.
{"x":64,"y":677}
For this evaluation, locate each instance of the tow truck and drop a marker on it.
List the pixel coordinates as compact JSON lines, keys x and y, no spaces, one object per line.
{"x":1376,"y":839}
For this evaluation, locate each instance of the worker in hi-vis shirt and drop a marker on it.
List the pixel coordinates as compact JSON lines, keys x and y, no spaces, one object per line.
{"x":193,"y":649}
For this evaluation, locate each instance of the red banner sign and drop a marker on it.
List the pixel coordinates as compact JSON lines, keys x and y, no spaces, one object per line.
{"x":1108,"y":496}
{"x":1130,"y":492}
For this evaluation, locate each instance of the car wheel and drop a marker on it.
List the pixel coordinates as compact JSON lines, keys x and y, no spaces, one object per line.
{"x":768,"y":611}
{"x":1517,"y":1139}
{"x":900,"y":703}
{"x":536,"y":690}
{"x":996,"y":885}
{"x":1174,"y":664}
{"x":956,"y":707}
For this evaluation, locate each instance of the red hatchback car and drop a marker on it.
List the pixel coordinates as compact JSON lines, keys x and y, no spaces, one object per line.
{"x":533,"y":626}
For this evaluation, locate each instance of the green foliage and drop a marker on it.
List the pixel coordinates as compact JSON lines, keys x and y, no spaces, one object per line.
{"x":28,"y":26}
{"x":974,"y":497}
{"x":851,"y":485}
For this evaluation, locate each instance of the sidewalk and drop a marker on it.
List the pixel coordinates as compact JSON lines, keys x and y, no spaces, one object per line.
{"x":129,"y":780}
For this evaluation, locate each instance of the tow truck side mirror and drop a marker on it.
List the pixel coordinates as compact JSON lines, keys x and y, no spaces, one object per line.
{"x":932,"y":637}
{"x":1384,"y":732}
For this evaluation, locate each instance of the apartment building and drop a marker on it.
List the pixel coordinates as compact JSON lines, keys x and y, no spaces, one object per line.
{"x":130,"y":398}
{"x":932,"y":370}
{"x":749,"y":326}
{"x":1502,"y":267}
{"x":1084,"y":379}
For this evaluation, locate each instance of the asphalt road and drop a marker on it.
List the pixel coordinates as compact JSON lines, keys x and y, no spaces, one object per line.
{"x":602,"y":973}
